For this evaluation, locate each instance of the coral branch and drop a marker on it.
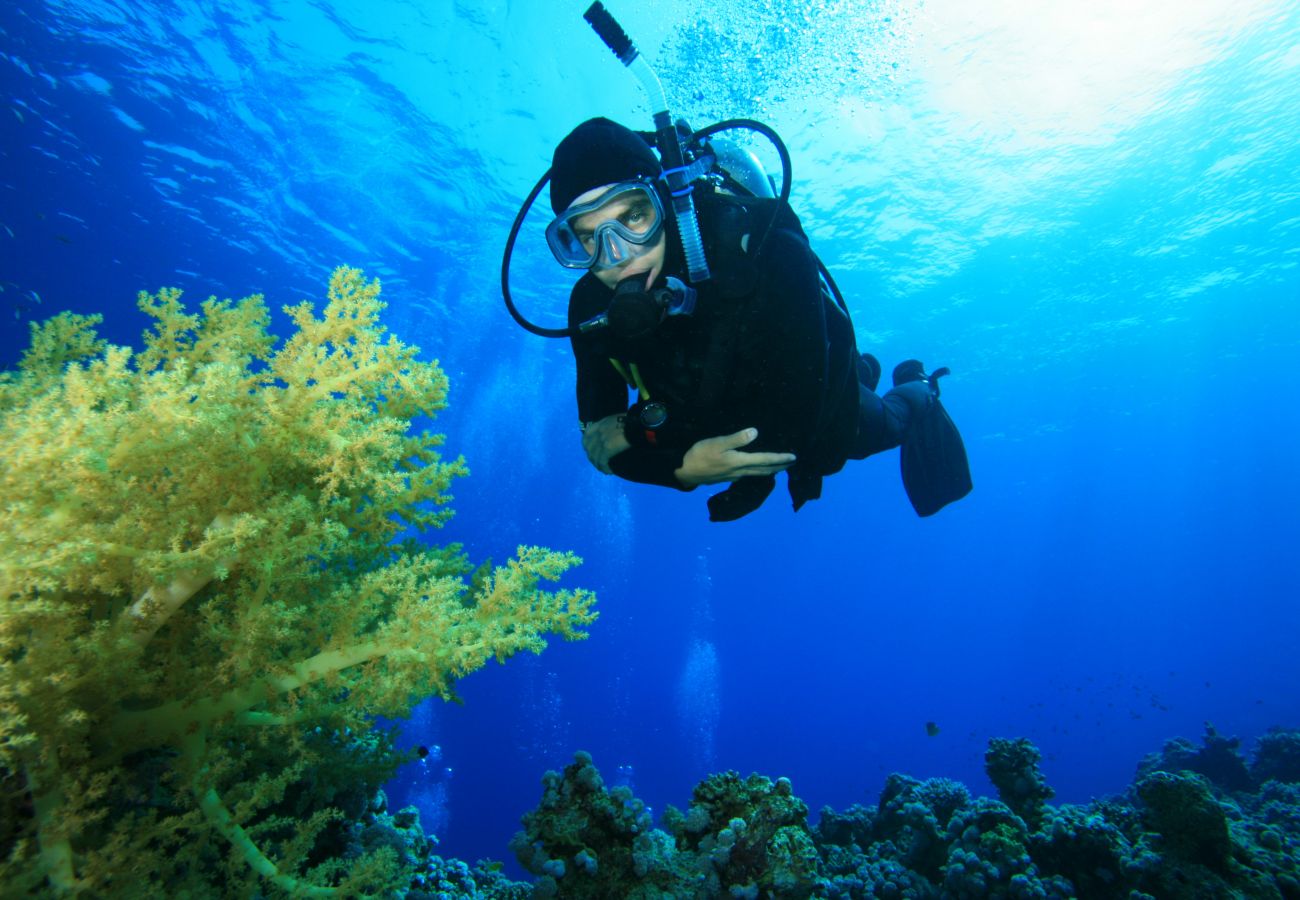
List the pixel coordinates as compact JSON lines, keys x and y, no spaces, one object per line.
{"x":154,"y":607}
{"x":135,"y":729}
{"x":220,"y":818}
{"x":51,"y":832}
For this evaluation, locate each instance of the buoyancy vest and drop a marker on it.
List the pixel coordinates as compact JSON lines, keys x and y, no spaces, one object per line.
{"x":731,"y":227}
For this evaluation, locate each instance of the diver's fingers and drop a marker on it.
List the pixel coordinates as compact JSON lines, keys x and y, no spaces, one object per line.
{"x":739,"y":439}
{"x":746,"y":460}
{"x":759,"y":470}
{"x":761,"y":463}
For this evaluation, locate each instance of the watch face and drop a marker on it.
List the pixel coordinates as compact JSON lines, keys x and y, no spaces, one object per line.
{"x":653,"y":415}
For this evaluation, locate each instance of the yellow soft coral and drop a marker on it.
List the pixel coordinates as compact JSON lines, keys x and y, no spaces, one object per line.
{"x":199,"y":556}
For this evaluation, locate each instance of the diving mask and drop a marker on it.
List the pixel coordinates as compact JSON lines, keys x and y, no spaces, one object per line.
{"x":620,"y":224}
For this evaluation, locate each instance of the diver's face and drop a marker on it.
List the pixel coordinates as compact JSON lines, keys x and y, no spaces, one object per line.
{"x":650,"y":258}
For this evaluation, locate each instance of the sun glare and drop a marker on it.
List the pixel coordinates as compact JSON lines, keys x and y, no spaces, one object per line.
{"x":1074,"y":72}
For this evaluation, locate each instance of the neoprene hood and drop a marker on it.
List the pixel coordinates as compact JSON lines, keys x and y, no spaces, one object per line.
{"x":596,"y":153}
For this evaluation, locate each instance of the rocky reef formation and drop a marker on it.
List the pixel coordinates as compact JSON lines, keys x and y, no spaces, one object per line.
{"x":1198,"y":822}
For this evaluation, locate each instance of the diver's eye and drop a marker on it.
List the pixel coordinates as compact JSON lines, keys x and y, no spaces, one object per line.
{"x":638,"y":217}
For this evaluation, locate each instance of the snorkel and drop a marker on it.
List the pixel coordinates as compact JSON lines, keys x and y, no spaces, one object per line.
{"x":679,"y":176}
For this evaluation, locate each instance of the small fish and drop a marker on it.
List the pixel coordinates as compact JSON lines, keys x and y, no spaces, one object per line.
{"x":422,"y":751}
{"x":8,"y":229}
{"x":25,"y":302}
{"x":18,"y":114}
{"x":63,"y":238}
{"x":931,"y":729}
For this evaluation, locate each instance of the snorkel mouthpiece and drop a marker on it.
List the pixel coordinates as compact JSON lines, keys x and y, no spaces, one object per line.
{"x":610,"y":32}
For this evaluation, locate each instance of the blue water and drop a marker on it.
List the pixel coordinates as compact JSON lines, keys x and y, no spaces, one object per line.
{"x":1091,"y":213}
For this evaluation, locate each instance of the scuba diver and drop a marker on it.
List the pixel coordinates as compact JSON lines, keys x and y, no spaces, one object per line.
{"x":702,"y":297}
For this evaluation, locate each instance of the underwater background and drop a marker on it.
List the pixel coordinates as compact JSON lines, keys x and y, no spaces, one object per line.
{"x":1089,"y":211}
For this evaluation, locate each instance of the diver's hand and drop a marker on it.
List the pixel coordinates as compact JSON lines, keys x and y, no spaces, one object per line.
{"x":719,"y":459}
{"x":603,"y":440}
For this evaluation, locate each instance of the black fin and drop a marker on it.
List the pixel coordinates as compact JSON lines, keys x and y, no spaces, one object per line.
{"x":933,"y":459}
{"x":741,"y":498}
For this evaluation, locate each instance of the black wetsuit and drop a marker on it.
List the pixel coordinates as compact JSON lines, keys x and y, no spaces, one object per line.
{"x":766,"y":347}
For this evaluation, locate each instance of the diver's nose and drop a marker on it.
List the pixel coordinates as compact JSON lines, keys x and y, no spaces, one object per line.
{"x":612,"y":250}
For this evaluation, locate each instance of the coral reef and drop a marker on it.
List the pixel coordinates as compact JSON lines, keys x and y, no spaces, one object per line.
{"x":205,"y":597}
{"x":741,"y":837}
{"x":433,"y":877}
{"x":1012,"y":766}
{"x":589,"y":842}
{"x":1173,"y":834}
{"x":754,"y":832}
{"x":1277,"y":757}
{"x":1218,"y":759}
{"x":1191,"y":826}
